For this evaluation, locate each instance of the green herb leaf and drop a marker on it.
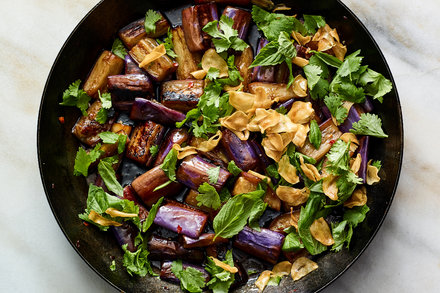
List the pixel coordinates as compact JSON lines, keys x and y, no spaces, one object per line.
{"x":169,"y":46}
{"x":73,"y":96}
{"x":213,"y":174}
{"x":169,"y":164}
{"x":338,"y":157}
{"x":118,"y":49}
{"x":208,"y":196}
{"x":377,"y":164}
{"x":356,"y":215}
{"x":137,"y":262}
{"x":375,"y":84}
{"x":370,"y":124}
{"x":190,"y":278}
{"x":343,"y":231}
{"x":106,"y":101}
{"x":312,"y":22}
{"x":315,"y":135}
{"x":335,"y":105}
{"x":313,"y":75}
{"x":351,"y":64}
{"x":221,"y":280}
{"x":213,"y":73}
{"x":328,"y":59}
{"x":151,"y":17}
{"x":162,"y":185}
{"x":154,"y":149}
{"x":108,"y":175}
{"x":151,"y":215}
{"x":226,"y":37}
{"x":113,"y":266}
{"x":83,"y":160}
{"x":273,"y":24}
{"x":292,"y":242}
{"x":233,"y":168}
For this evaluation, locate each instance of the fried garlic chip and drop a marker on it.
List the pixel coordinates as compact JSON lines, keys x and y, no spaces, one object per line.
{"x":262,"y":99}
{"x":351,"y":137}
{"x":210,"y":144}
{"x":299,"y":61}
{"x":282,"y":269}
{"x":100,"y":220}
{"x":309,"y":170}
{"x":184,"y":152}
{"x":294,"y":217}
{"x":329,"y":187}
{"x":116,"y":213}
{"x":199,"y":74}
{"x":355,"y":164}
{"x":300,"y":136}
{"x":287,"y":170}
{"x":358,"y":198}
{"x":328,"y":39}
{"x":302,"y":267}
{"x":301,"y":112}
{"x":372,"y":176}
{"x":155,"y":54}
{"x":300,"y":83}
{"x":263,"y":120}
{"x":237,"y":123}
{"x":300,"y":38}
{"x":284,"y":125}
{"x":293,"y":196}
{"x":212,"y":59}
{"x":242,"y":101}
{"x":223,"y":265}
{"x":320,"y":230}
{"x":262,"y":280}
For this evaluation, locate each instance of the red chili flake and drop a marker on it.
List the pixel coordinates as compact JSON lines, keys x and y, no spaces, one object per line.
{"x":61,"y":119}
{"x":179,"y":229}
{"x":190,"y":84}
{"x":86,"y":224}
{"x":175,"y":64}
{"x":332,"y":141}
{"x":77,"y":244}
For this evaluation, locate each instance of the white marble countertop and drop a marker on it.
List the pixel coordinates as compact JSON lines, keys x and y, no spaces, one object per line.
{"x":35,"y":255}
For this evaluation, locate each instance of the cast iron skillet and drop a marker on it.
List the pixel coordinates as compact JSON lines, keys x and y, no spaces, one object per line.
{"x":57,"y":146}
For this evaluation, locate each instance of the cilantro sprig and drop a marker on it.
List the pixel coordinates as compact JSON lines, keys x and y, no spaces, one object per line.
{"x":369,"y":124}
{"x":224,"y":36}
{"x":118,"y":48}
{"x":151,"y":17}
{"x":74,"y":96}
{"x":190,"y":278}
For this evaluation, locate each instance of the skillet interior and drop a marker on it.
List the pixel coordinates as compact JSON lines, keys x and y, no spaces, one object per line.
{"x":57,"y":147}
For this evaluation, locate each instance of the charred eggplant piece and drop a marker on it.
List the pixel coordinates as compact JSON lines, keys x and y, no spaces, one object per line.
{"x":194,"y":18}
{"x":261,"y":154}
{"x":125,"y":234}
{"x":280,"y":223}
{"x":181,"y":95}
{"x":87,"y":129}
{"x":241,"y":18}
{"x":241,"y":151}
{"x":131,"y":67}
{"x":186,"y":59}
{"x":263,"y":73}
{"x":330,"y":133}
{"x":145,"y":184}
{"x":204,"y":240}
{"x":181,"y":219}
{"x":265,"y":244}
{"x":144,"y":136}
{"x":193,"y":172}
{"x":354,"y":115}
{"x":106,"y":65}
{"x":242,"y":62}
{"x":364,"y":143}
{"x":281,"y":73}
{"x":276,"y":91}
{"x":130,"y":86}
{"x":144,"y":109}
{"x":175,"y":136}
{"x":158,"y":69}
{"x":167,"y":275}
{"x":272,"y":199}
{"x":245,"y":183}
{"x":164,"y":249}
{"x":132,"y":33}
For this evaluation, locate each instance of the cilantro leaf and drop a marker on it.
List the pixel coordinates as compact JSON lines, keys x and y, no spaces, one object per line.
{"x":226,"y":37}
{"x":113,"y":266}
{"x":272,"y":24}
{"x":338,"y":157}
{"x":106,"y":101}
{"x":233,"y":168}
{"x":339,"y":233}
{"x":315,"y":135}
{"x":312,"y":22}
{"x":73,"y":96}
{"x":118,"y":49}
{"x":169,"y":164}
{"x":168,"y":44}
{"x":137,"y":262}
{"x":151,"y":215}
{"x":377,"y":164}
{"x":313,"y":75}
{"x":190,"y":278}
{"x":221,"y":280}
{"x":108,"y":175}
{"x":213,"y":174}
{"x":351,"y":64}
{"x":154,"y":149}
{"x":83,"y":160}
{"x":375,"y":84}
{"x":208,"y":196}
{"x":109,"y":137}
{"x":213,"y":73}
{"x":335,"y":105}
{"x":151,"y":17}
{"x":292,"y":242}
{"x":369,"y":124}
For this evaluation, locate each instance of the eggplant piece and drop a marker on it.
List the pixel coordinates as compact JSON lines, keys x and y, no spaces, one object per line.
{"x":265,"y":244}
{"x":194,"y":18}
{"x":241,"y":151}
{"x":145,"y":184}
{"x":245,"y":183}
{"x":160,"y":68}
{"x":181,"y":219}
{"x":303,"y":52}
{"x":272,"y":199}
{"x":130,"y":194}
{"x":217,"y":157}
{"x":144,"y":136}
{"x":186,"y":59}
{"x":292,"y":256}
{"x":368,"y":105}
{"x":87,"y":129}
{"x":261,"y":154}
{"x":175,"y":136}
{"x":125,"y":234}
{"x":167,"y":275}
{"x":241,"y":277}
{"x":280,"y":223}
{"x":326,"y":112}
{"x":144,"y":109}
{"x":276,"y":91}
{"x":131,"y":67}
{"x":132,"y":33}
{"x":106,"y":65}
{"x":354,"y":115}
{"x":193,"y":172}
{"x":204,"y":240}
{"x":181,"y":95}
{"x":363,"y":150}
{"x":330,"y":133}
{"x":111,"y":149}
{"x":281,"y":73}
{"x":124,"y":106}
{"x":241,"y":18}
{"x":263,"y":73}
{"x":242,"y":62}
{"x":286,"y":105}
{"x":164,"y":249}
{"x":127,"y":87}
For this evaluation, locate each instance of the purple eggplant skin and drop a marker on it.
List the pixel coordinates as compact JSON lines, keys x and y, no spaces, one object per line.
{"x":194,"y":18}
{"x":123,"y":105}
{"x":326,"y":112}
{"x":125,"y":234}
{"x":263,"y":73}
{"x":241,"y":18}
{"x":131,"y":67}
{"x":204,"y":240}
{"x":175,"y":136}
{"x":368,"y":105}
{"x":181,"y":95}
{"x":128,"y":86}
{"x":181,"y":219}
{"x":265,"y":244}
{"x":193,"y":172}
{"x":363,"y":150}
{"x":164,"y":249}
{"x":286,"y":105}
{"x":144,"y":109}
{"x":145,"y":184}
{"x":261,"y":154}
{"x":167,"y":275}
{"x":354,"y":115}
{"x":241,"y":151}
